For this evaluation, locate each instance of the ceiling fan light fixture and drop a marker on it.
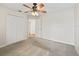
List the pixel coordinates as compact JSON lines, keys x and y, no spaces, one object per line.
{"x":35,"y":13}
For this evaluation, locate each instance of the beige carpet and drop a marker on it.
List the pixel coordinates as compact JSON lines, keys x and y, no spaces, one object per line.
{"x":38,"y":47}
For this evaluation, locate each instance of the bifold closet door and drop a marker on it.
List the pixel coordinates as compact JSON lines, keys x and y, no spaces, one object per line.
{"x":32,"y":23}
{"x":11,"y":29}
{"x":38,"y":27}
{"x":20,"y":28}
{"x":15,"y":29}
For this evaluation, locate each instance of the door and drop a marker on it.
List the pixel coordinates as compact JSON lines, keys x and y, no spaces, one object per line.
{"x":34,"y":26}
{"x":15,"y":29}
{"x":31,"y":26}
{"x":38,"y":27}
{"x":11,"y":29}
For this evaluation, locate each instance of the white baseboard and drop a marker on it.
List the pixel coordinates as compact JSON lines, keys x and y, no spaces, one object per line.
{"x":3,"y":45}
{"x":44,"y":38}
{"x":65,"y":42}
{"x":60,"y":41}
{"x":6,"y":44}
{"x":77,"y":49}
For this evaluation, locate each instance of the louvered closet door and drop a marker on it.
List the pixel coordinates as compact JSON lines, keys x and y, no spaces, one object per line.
{"x":38,"y":27}
{"x":21,"y":29}
{"x":11,"y":29}
{"x":15,"y":29}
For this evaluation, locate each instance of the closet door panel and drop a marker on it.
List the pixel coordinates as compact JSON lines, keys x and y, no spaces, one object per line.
{"x":20,"y":29}
{"x":11,"y":29}
{"x":15,"y":29}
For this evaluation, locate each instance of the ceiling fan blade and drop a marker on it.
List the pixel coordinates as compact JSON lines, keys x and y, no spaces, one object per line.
{"x":41,"y":5}
{"x":27,"y":6}
{"x":19,"y":10}
{"x":27,"y":11}
{"x":44,"y":11}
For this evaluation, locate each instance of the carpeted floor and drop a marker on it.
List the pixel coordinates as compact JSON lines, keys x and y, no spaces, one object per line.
{"x":38,"y":47}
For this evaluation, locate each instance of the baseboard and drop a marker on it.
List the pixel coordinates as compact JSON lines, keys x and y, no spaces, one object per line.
{"x":77,"y":49}
{"x":65,"y":42}
{"x":61,"y":41}
{"x":3,"y":45}
{"x":6,"y":44}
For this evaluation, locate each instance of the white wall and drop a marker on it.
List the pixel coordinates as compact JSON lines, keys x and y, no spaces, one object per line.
{"x":2,"y":26}
{"x":77,"y":27}
{"x":4,"y":12}
{"x":59,"y":26}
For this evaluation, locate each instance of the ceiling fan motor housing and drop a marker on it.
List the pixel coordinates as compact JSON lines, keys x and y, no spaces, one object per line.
{"x":34,"y":4}
{"x":34,"y":7}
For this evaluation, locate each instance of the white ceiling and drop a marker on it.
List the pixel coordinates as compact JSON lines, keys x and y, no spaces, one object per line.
{"x":50,"y":7}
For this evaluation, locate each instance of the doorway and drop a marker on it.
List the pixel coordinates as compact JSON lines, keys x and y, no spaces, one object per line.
{"x":34,"y":26}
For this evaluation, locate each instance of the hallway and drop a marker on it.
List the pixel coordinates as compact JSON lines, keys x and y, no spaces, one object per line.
{"x":38,"y":47}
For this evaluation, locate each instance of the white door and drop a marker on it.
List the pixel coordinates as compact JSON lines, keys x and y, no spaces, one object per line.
{"x":21,"y":29}
{"x":31,"y":27}
{"x":16,"y":29}
{"x":11,"y":29}
{"x":34,"y":25}
{"x":38,"y":27}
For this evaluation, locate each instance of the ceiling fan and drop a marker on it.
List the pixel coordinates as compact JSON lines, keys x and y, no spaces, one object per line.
{"x":36,"y":8}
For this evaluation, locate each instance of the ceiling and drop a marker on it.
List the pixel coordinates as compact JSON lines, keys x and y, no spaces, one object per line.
{"x":50,"y":7}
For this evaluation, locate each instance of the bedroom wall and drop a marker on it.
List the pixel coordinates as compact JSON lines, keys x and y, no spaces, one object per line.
{"x":59,"y":26}
{"x":77,"y":27}
{"x":4,"y":12}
